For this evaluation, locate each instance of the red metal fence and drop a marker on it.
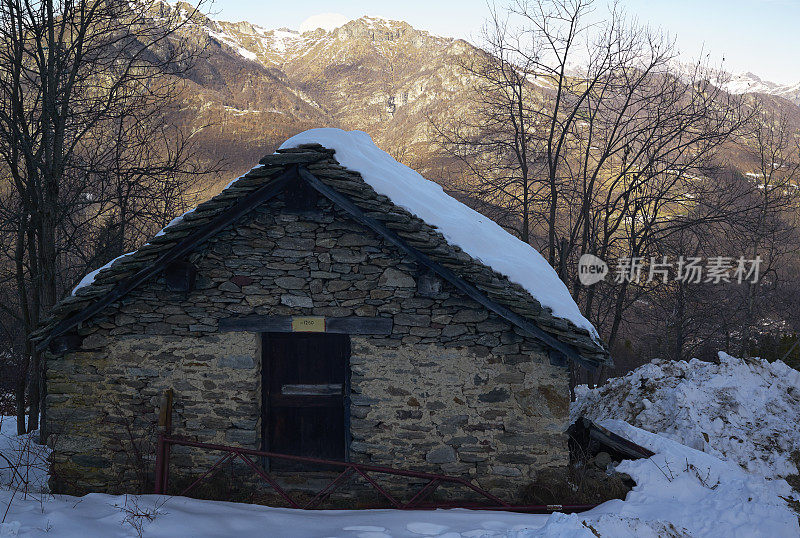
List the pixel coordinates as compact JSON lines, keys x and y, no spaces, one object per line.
{"x":348,"y":469}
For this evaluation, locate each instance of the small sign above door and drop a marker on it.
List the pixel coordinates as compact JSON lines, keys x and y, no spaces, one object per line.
{"x":308,"y":324}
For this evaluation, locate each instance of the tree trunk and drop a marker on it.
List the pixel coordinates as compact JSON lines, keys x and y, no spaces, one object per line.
{"x":618,"y":310}
{"x":679,"y":320}
{"x":34,"y":393}
{"x":19,"y":394}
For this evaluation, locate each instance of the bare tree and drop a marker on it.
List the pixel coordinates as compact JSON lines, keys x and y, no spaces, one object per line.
{"x":79,"y":81}
{"x":770,"y":229}
{"x":494,"y":141}
{"x":589,"y":139}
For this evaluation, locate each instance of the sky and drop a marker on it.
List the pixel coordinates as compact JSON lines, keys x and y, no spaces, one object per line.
{"x":760,"y":36}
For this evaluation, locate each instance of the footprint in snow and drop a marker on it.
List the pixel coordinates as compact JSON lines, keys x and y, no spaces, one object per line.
{"x":426,"y":529}
{"x":368,"y":531}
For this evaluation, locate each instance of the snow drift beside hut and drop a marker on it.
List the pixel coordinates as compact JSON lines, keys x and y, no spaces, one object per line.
{"x":745,"y":411}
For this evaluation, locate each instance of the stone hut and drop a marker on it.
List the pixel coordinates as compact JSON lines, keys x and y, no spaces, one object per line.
{"x":306,"y":309}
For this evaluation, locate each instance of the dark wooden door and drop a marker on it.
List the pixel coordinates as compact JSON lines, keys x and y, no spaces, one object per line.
{"x":305,"y":381}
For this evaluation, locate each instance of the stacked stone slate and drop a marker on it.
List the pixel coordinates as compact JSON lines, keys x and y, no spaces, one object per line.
{"x":321,"y":162}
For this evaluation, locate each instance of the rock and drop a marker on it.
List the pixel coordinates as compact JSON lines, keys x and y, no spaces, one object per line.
{"x":602,"y":460}
{"x":237,"y":362}
{"x":259,"y":300}
{"x":338,"y":285}
{"x":241,"y":437}
{"x":296,"y":243}
{"x":441,"y":454}
{"x":94,"y":341}
{"x":297,"y":301}
{"x":180,"y":319}
{"x":455,"y":468}
{"x":354,"y":240}
{"x":452,"y":331}
{"x":397,"y":279}
{"x":242,"y":280}
{"x":229,"y":287}
{"x":502,"y":470}
{"x":472,"y":454}
{"x":456,"y":420}
{"x":158,"y":328}
{"x":413,"y":320}
{"x":202,"y":328}
{"x":290,"y":282}
{"x":470,"y":316}
{"x":494,"y":396}
{"x":347,"y":256}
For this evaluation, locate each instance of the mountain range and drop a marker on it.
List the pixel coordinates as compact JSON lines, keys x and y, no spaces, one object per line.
{"x":254,"y":87}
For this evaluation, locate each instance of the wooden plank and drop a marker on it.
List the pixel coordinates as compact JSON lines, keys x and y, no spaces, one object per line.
{"x":357,"y":214}
{"x":165,"y":412}
{"x":359,"y":325}
{"x":314,"y":389}
{"x":257,"y":324}
{"x":182,"y":248}
{"x":283,"y":324}
{"x":611,"y":440}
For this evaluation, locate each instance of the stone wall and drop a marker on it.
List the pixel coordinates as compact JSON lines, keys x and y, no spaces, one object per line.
{"x":453,"y":389}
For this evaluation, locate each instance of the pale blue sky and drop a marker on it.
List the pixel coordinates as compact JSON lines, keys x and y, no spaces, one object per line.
{"x":762,"y":36}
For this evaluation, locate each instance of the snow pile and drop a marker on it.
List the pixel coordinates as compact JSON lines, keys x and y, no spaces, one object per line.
{"x":477,"y":235}
{"x":692,"y":493}
{"x":105,"y":515}
{"x":745,"y":411}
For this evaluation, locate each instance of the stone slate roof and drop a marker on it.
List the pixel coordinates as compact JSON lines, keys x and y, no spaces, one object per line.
{"x":321,"y":162}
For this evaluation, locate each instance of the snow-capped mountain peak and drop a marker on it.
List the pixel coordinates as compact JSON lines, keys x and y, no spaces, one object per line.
{"x":751,"y":83}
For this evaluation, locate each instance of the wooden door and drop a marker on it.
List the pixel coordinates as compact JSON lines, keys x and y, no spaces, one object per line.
{"x":305,"y":380}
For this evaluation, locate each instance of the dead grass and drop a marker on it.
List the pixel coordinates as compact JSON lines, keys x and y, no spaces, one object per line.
{"x":575,"y":486}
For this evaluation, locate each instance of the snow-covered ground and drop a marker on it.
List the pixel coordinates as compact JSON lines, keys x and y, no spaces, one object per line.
{"x":680,"y":491}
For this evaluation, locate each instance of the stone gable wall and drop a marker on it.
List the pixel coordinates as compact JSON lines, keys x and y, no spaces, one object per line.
{"x":453,"y":389}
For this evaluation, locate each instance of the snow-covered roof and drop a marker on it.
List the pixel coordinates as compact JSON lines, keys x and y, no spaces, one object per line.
{"x":88,"y":278}
{"x":476,"y":234}
{"x":512,"y":278}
